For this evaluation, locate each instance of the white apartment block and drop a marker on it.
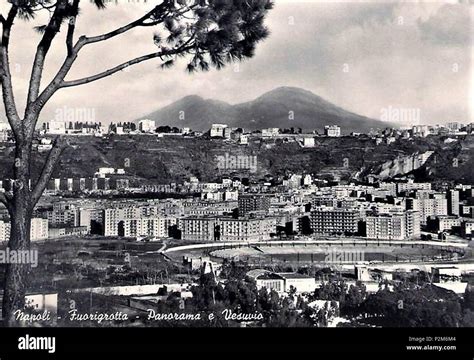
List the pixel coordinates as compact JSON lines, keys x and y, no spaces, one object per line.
{"x":332,"y":131}
{"x":393,"y":226}
{"x":217,"y":130}
{"x":331,"y":220}
{"x":4,"y":231}
{"x":38,"y":229}
{"x":134,"y":221}
{"x":270,"y":132}
{"x":308,"y":142}
{"x":467,"y":228}
{"x":226,"y":229}
{"x":386,"y":227}
{"x":57,"y":127}
{"x":412,"y":186}
{"x":428,"y":207}
{"x":146,"y":126}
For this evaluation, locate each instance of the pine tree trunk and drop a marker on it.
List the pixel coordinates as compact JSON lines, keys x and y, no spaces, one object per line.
{"x":20,"y":211}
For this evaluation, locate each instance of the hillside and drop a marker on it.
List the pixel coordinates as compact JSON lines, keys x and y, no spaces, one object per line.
{"x":175,"y":159}
{"x":283,"y":107}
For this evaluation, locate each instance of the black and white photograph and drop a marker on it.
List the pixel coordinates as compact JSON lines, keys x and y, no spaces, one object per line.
{"x":245,"y":167}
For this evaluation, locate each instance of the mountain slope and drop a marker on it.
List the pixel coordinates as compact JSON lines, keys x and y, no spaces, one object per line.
{"x":283,"y":107}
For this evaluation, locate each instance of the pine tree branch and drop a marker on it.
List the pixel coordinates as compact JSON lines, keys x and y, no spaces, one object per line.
{"x":139,"y":22}
{"x":124,"y":65}
{"x":71,"y":28}
{"x":59,"y":146}
{"x":43,"y":47}
{"x":5,"y":74}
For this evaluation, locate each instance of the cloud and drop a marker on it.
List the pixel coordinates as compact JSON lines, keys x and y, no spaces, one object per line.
{"x":449,"y":26}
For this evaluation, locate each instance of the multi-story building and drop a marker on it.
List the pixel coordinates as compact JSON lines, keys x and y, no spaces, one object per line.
{"x":270,"y":132}
{"x":63,"y":214}
{"x":253,"y":203}
{"x":444,"y":223}
{"x":38,"y":229}
{"x":386,"y":226}
{"x":308,"y":142}
{"x":217,"y":130}
{"x":331,"y":220}
{"x":453,"y":202}
{"x":57,"y":127}
{"x":428,"y":207}
{"x":467,"y":211}
{"x":406,"y":187}
{"x":226,"y":229}
{"x":467,"y":229}
{"x":412,"y":224}
{"x":332,"y":131}
{"x":397,"y":226}
{"x":136,"y":221}
{"x":226,"y":195}
{"x":4,"y":230}
{"x":282,"y":282}
{"x":146,"y":126}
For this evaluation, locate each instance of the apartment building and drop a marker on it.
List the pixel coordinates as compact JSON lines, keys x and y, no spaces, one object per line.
{"x":427,"y":207}
{"x":331,"y":220}
{"x":444,"y":223}
{"x":332,"y":131}
{"x":397,"y":226}
{"x":253,"y":202}
{"x":412,"y":186}
{"x":227,"y":229}
{"x":38,"y":229}
{"x":453,"y":202}
{"x":133,"y":221}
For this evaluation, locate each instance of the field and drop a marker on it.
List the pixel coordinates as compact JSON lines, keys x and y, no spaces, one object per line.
{"x":325,"y":254}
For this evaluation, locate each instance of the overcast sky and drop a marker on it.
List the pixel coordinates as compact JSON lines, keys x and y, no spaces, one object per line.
{"x":364,"y":57}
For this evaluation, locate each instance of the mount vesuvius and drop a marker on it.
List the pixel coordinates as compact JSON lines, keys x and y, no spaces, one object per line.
{"x":283,"y":107}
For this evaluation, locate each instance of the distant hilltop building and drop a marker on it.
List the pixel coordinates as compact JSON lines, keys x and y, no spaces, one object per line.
{"x":59,"y":127}
{"x":146,"y":126}
{"x":308,"y":142}
{"x":218,"y":130}
{"x":270,"y":132}
{"x":45,"y":144}
{"x":454,"y":126}
{"x":4,"y":126}
{"x":420,"y":130}
{"x":103,"y":171}
{"x":332,"y":131}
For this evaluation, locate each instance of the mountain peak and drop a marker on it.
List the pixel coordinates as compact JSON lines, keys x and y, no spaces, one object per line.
{"x":287,"y":91}
{"x":191,"y":98}
{"x":272,"y":109}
